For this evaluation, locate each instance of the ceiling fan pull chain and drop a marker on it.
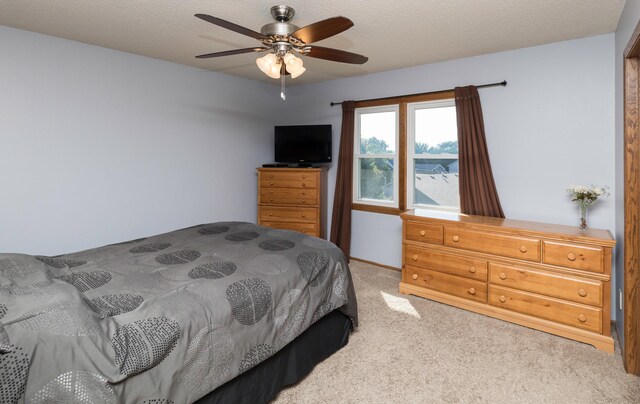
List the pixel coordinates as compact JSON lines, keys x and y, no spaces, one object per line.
{"x":282,"y":89}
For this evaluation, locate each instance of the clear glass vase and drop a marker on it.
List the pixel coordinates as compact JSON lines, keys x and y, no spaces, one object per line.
{"x":584,"y":209}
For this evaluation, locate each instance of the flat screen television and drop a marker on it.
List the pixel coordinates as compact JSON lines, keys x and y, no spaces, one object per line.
{"x":303,"y":144}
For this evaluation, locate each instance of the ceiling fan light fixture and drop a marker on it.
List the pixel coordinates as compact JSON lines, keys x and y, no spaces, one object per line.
{"x":274,"y":70}
{"x":266,"y":62}
{"x":298,"y":72}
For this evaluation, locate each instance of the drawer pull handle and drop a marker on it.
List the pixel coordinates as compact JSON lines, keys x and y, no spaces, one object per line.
{"x":523,"y":249}
{"x":414,"y":276}
{"x":582,"y":318}
{"x":571,"y":257}
{"x":423,"y":233}
{"x":502,"y":299}
{"x":415,"y":257}
{"x":472,"y":291}
{"x":271,"y":176}
{"x":472,"y":270}
{"x":271,"y":192}
{"x":455,"y":239}
{"x":502,"y":276}
{"x":303,"y":215}
{"x":582,"y":292}
{"x":270,"y":214}
{"x":271,"y":183}
{"x":304,"y":177}
{"x":304,"y":185}
{"x":270,"y":199}
{"x":303,"y":201}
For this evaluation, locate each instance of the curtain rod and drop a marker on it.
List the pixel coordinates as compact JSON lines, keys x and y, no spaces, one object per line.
{"x":502,"y":83}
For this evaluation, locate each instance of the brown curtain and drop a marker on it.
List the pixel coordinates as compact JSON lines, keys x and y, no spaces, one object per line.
{"x":478,"y":194}
{"x":341,"y":217}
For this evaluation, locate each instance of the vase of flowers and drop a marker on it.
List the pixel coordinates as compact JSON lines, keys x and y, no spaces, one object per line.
{"x":585,"y":197}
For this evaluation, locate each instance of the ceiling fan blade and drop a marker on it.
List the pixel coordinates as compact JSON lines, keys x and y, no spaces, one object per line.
{"x":231,"y":52}
{"x":231,"y":26}
{"x":323,"y":29}
{"x":336,"y":55}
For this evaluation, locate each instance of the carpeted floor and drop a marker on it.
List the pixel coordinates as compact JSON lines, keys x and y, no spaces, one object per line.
{"x":412,"y":350}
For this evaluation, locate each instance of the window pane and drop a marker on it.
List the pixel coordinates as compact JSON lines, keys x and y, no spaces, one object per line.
{"x":376,"y":179}
{"x":378,"y":133}
{"x":435,"y":182}
{"x":436,"y":131}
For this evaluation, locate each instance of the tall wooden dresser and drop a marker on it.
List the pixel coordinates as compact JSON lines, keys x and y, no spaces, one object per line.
{"x":548,"y":277}
{"x":293,"y":199}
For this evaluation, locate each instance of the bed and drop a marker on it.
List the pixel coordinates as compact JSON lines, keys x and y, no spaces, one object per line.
{"x":221,"y":312}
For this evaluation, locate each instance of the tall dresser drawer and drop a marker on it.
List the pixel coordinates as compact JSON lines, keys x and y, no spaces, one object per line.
{"x":427,"y":233}
{"x":288,"y":214}
{"x":308,"y":228}
{"x":452,"y":264}
{"x":452,"y":285}
{"x":289,"y":196}
{"x":576,"y":315}
{"x":567,"y":287}
{"x":523,"y":248}
{"x":288,"y":179}
{"x":576,"y":256}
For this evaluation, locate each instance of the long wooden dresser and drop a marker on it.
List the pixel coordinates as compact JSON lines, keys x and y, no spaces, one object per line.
{"x":548,"y":277}
{"x":293,"y":199}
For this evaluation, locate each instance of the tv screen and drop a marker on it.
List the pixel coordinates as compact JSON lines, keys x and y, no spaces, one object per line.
{"x":303,"y":144}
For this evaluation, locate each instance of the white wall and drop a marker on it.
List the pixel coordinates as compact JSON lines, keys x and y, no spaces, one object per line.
{"x":101,"y":146}
{"x":552,"y":126}
{"x":626,"y":25}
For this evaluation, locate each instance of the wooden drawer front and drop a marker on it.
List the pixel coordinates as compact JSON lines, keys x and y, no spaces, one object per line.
{"x":449,"y":263}
{"x":289,"y":196}
{"x":308,"y":228}
{"x":547,"y":283}
{"x":549,"y":308}
{"x":271,"y":213}
{"x":452,"y":285}
{"x":288,"y":180}
{"x":427,"y":233}
{"x":508,"y":246}
{"x":574,"y":256}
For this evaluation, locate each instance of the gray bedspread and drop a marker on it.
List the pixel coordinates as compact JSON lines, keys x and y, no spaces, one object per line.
{"x":164,"y":319}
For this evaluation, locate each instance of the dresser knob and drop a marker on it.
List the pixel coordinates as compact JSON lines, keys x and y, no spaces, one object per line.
{"x":303,"y":215}
{"x":271,"y":176}
{"x":303,"y":201}
{"x":423,"y":233}
{"x":502,"y":276}
{"x":472,"y":270}
{"x":571,"y":257}
{"x":414,"y":276}
{"x":582,"y":318}
{"x":415,"y":257}
{"x":271,"y":192}
{"x":455,"y":238}
{"x":270,"y":199}
{"x":502,"y":299}
{"x":472,"y":291}
{"x":523,"y":249}
{"x":271,"y":183}
{"x":304,"y":177}
{"x":304,"y":185}
{"x":270,"y":214}
{"x":582,"y":292}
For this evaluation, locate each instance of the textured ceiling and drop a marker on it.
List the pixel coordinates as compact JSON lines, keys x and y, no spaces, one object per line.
{"x":393,"y":34}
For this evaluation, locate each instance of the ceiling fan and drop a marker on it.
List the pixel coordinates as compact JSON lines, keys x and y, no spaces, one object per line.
{"x":282,"y":38}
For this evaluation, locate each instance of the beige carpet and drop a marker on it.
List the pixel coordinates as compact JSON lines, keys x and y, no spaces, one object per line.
{"x":412,"y":350}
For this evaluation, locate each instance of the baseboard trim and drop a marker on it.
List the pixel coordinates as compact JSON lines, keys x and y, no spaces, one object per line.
{"x":376,"y":264}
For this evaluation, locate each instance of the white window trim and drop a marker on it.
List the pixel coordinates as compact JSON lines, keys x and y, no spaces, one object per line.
{"x":411,"y":155}
{"x":357,"y":156}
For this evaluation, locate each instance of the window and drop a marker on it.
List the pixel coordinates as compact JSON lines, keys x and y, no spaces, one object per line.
{"x":376,"y":156}
{"x":432,"y":156}
{"x":406,"y":154}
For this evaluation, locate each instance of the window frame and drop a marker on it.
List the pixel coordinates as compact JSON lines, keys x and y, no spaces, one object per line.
{"x":357,"y":155}
{"x":401,"y":146}
{"x":411,"y":155}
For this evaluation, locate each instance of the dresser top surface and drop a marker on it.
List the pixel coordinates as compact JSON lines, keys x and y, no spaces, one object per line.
{"x":564,"y":231}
